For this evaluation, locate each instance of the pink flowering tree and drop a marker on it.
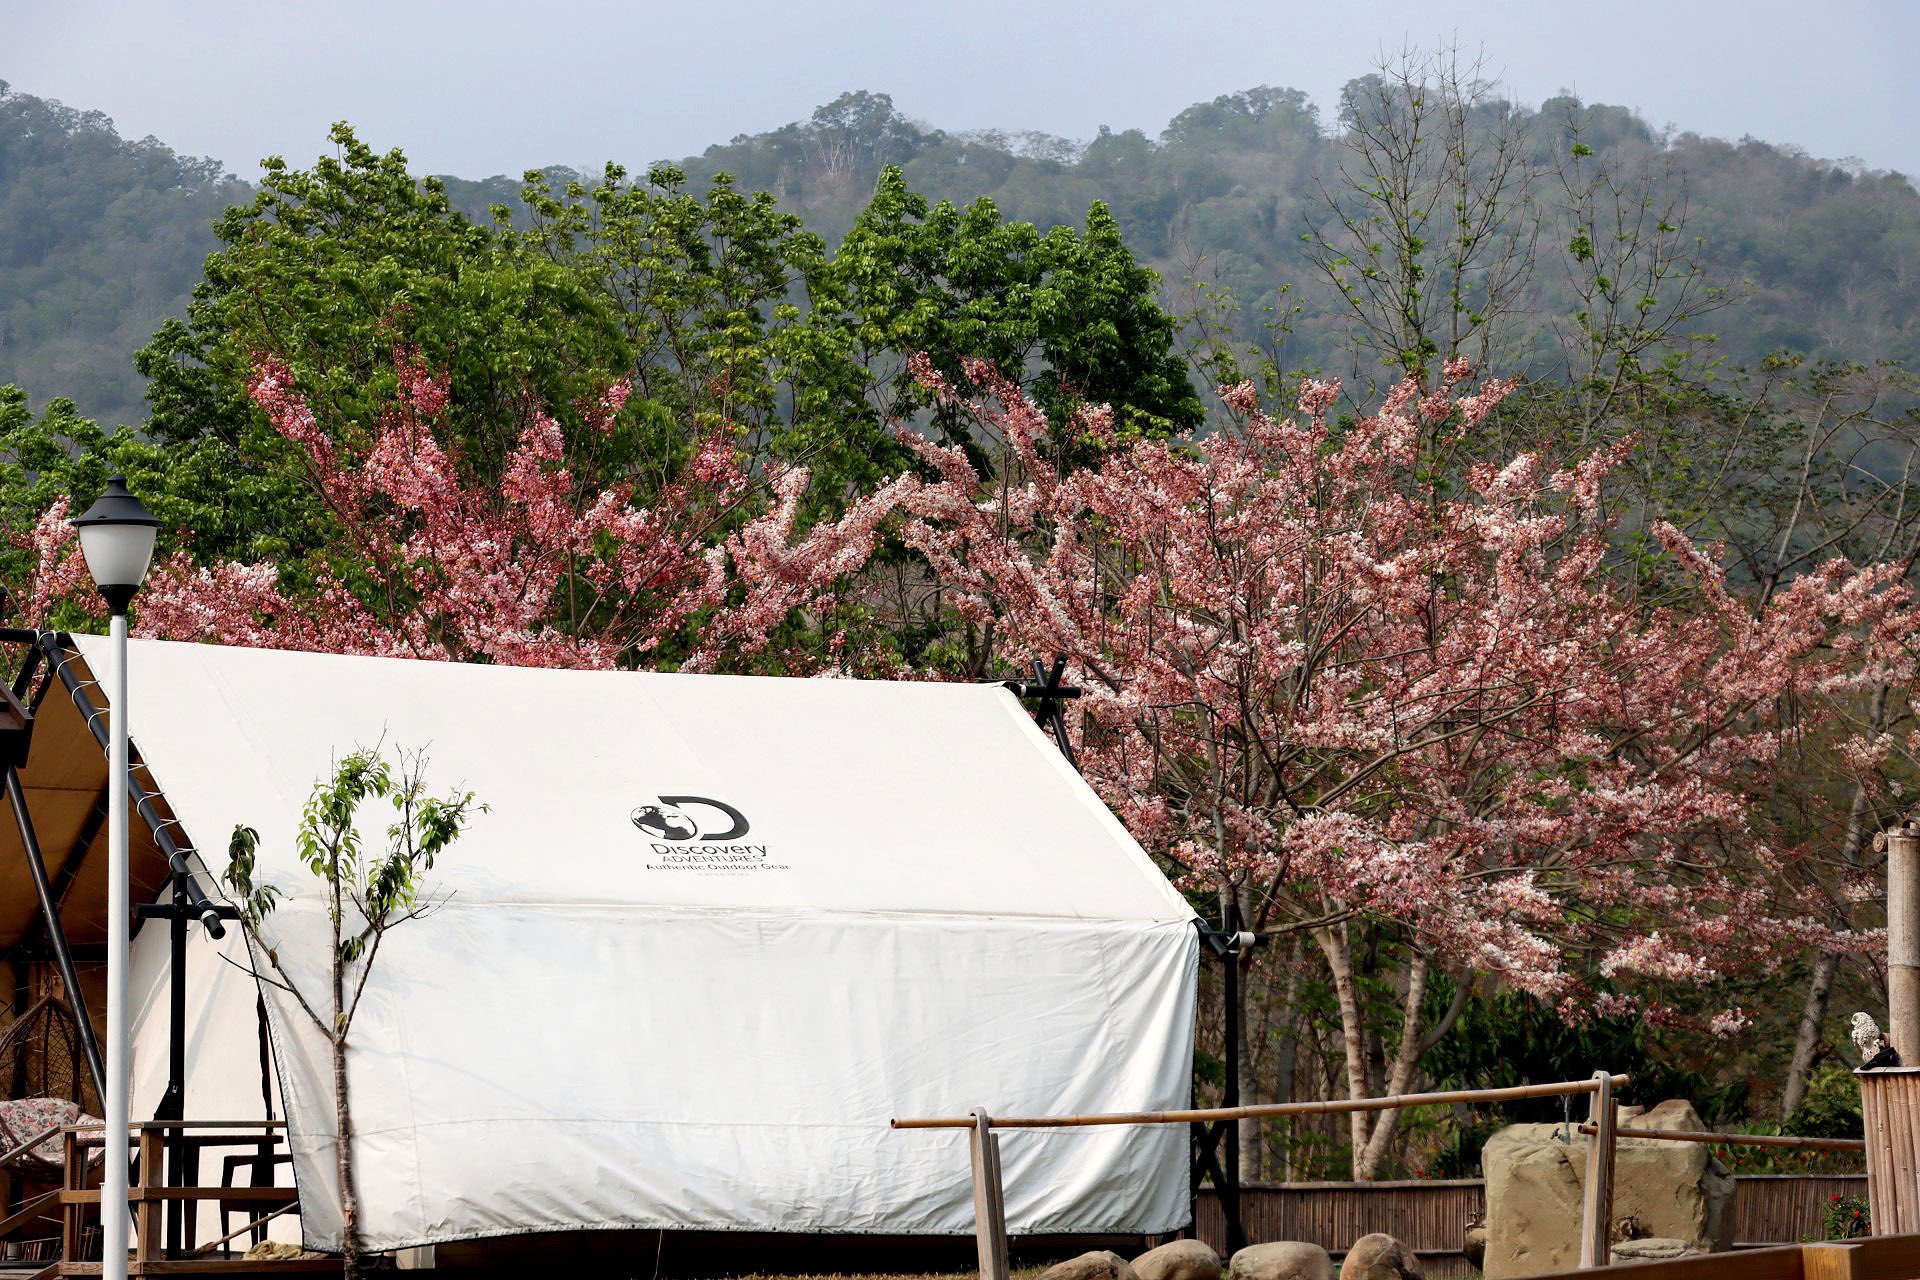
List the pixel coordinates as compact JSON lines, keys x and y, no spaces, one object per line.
{"x":1322,"y":684}
{"x":530,"y":566}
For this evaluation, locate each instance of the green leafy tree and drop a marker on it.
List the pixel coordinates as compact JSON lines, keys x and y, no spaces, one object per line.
{"x":367,"y":893}
{"x":331,"y":269}
{"x":1073,"y":316}
{"x":699,"y":290}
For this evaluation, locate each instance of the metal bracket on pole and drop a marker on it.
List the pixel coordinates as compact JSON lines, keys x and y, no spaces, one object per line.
{"x":1596,"y":1209}
{"x":1048,"y":690}
{"x":989,"y":1198}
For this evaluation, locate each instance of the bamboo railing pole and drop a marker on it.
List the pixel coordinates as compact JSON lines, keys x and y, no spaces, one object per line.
{"x":1739,"y":1139}
{"x":1392,"y":1102}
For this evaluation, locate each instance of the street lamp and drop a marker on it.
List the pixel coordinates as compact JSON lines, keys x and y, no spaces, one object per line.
{"x":116,"y":537}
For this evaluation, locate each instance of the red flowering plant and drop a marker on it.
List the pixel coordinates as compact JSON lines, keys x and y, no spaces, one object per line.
{"x":1845,"y":1218}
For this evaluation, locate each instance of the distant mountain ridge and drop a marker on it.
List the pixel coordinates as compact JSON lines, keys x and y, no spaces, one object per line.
{"x":102,"y":238}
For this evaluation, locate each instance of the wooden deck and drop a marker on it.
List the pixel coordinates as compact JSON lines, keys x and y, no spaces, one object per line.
{"x":164,"y":1216}
{"x":1886,"y":1258}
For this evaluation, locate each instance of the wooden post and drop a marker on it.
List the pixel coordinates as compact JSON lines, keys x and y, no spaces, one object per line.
{"x":73,"y":1177}
{"x":1596,"y":1211}
{"x":1903,"y":941}
{"x":989,"y":1198}
{"x":146,"y":1237}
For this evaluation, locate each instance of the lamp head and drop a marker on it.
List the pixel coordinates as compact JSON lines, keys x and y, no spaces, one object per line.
{"x":116,"y":537}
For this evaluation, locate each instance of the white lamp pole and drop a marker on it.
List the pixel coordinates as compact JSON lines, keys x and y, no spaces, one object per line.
{"x":116,"y":537}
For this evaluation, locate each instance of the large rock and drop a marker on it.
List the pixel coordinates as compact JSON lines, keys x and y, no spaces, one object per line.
{"x":1474,"y":1245}
{"x":1281,"y":1260}
{"x":1101,"y":1264}
{"x":1179,"y":1260}
{"x":1379,"y":1257}
{"x":1674,"y":1190}
{"x":1652,"y":1249}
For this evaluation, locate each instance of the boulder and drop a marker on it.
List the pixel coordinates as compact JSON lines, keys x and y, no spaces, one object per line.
{"x":1379,"y":1257}
{"x":1281,"y":1260}
{"x":279,"y":1251}
{"x":1474,"y":1245}
{"x":1652,"y":1249}
{"x":1101,"y":1264}
{"x":1673,"y":1190}
{"x":1179,"y":1260}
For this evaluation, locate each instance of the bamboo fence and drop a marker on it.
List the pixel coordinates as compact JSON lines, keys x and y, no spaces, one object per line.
{"x":1430,"y":1215}
{"x":989,"y":1192}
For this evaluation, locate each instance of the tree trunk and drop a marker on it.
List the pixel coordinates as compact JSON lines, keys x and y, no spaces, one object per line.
{"x":1289,"y":1055}
{"x":1813,"y":1010}
{"x":1813,"y":1017}
{"x":1400,"y":1079}
{"x":1249,"y":1127}
{"x":343,"y":1149}
{"x":1336,"y":945}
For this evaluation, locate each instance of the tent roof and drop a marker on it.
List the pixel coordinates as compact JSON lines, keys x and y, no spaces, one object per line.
{"x":64,"y":783}
{"x":632,"y":788}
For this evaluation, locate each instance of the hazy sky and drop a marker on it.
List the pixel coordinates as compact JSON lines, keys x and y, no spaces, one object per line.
{"x":481,"y":87}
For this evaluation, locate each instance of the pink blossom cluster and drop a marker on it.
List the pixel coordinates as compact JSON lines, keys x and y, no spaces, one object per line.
{"x":536,"y":569}
{"x":1314,"y":675}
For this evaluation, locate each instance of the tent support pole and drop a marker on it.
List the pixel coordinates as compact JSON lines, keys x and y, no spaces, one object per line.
{"x":989,"y":1198}
{"x":1230,"y":1095}
{"x":173,"y":1102}
{"x":56,"y":932}
{"x":1228,"y":942}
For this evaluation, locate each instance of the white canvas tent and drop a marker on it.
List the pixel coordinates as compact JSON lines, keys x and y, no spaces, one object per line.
{"x":711,"y":935}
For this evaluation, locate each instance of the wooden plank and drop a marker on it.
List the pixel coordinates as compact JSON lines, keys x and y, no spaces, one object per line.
{"x":1783,"y":1263}
{"x":73,"y":1175}
{"x":1884,"y":1258}
{"x":40,"y":1206}
{"x":152,"y":1173}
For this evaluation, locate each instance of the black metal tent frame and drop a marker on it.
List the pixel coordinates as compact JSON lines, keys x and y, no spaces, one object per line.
{"x":1216,"y":1146}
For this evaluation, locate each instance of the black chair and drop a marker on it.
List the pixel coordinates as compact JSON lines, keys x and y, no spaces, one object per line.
{"x":260,"y":1164}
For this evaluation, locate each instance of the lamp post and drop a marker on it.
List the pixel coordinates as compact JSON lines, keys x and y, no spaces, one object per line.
{"x":116,"y":537}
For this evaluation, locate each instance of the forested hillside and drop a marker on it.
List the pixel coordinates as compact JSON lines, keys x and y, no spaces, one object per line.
{"x":1238,"y":204}
{"x":100,"y":240}
{"x":1821,"y":259}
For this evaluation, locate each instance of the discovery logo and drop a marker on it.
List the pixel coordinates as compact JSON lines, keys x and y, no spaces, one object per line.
{"x":696,"y":833}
